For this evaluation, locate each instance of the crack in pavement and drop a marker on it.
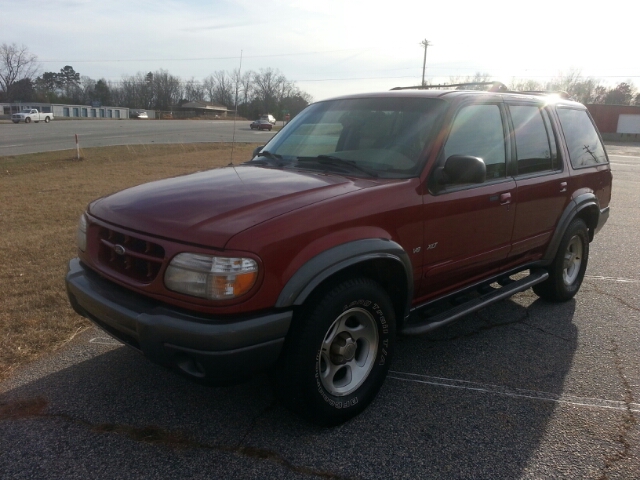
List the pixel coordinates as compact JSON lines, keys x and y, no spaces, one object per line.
{"x":255,"y":421}
{"x":615,"y":297}
{"x":629,"y":419}
{"x":155,"y":435}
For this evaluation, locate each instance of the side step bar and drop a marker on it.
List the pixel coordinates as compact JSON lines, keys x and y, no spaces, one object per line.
{"x":477,"y":303}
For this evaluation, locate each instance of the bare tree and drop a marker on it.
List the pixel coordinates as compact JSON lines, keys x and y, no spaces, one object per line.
{"x":16,"y":63}
{"x":194,"y":91}
{"x":209,"y":87}
{"x":246,"y":90}
{"x":268,"y":87}
{"x":524,"y":85}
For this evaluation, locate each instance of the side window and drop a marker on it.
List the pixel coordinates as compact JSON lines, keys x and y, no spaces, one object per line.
{"x":533,"y":149}
{"x":477,"y":131}
{"x":584,"y":145}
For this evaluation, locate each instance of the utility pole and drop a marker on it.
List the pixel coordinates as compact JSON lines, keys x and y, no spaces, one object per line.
{"x":425,"y":43}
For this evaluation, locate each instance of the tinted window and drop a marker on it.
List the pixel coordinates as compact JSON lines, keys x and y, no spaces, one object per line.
{"x":383,"y":135}
{"x":582,"y":138}
{"x":477,"y":131}
{"x":533,"y":149}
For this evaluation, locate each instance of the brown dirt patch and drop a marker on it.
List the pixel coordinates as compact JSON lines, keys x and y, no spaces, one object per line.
{"x":41,"y":199}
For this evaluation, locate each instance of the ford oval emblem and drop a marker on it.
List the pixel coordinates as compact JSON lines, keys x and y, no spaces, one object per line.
{"x":119,"y":249}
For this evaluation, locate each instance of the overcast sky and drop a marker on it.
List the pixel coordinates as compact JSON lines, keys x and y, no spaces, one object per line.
{"x":330,"y":47}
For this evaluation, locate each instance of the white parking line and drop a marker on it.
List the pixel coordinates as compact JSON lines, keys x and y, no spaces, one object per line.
{"x":105,"y":341}
{"x":514,"y":392}
{"x":611,"y":279}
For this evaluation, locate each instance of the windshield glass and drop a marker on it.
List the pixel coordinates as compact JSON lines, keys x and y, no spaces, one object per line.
{"x":380,"y":136}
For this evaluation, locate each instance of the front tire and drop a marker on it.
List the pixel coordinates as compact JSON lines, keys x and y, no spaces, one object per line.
{"x":569,"y":265}
{"x":27,"y":120}
{"x":337,"y":353}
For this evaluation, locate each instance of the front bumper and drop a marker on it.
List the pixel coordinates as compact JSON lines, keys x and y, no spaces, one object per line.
{"x":211,"y":349}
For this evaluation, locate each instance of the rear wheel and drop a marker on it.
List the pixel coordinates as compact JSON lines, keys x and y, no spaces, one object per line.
{"x":47,"y":119}
{"x":567,"y":270}
{"x":337,"y":353}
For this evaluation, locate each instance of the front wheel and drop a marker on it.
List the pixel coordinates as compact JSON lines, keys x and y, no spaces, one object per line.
{"x":337,"y":353}
{"x":569,"y":265}
{"x":27,"y":120}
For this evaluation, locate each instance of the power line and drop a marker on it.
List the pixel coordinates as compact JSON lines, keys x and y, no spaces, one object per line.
{"x":197,"y":59}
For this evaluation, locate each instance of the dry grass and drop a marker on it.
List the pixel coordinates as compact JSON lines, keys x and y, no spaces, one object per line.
{"x":41,"y":198}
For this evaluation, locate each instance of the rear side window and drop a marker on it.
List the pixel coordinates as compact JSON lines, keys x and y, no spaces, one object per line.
{"x":533,"y":142}
{"x":584,"y":145}
{"x":477,"y":131}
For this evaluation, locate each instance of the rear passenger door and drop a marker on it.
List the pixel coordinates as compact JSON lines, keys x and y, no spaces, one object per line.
{"x":540,"y":177}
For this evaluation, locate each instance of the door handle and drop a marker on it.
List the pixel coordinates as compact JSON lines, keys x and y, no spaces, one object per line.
{"x":563,"y":187}
{"x":505,"y":198}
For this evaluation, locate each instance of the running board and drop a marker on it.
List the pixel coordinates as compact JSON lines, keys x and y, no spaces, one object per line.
{"x":477,"y":303}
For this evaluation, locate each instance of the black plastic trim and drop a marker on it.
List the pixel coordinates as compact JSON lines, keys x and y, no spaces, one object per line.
{"x":327,"y":263}
{"x":222,"y":345}
{"x":570,"y":212}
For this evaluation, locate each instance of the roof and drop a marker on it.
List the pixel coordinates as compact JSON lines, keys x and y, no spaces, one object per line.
{"x":549,"y":97}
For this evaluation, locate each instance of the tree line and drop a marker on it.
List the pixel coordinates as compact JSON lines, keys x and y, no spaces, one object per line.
{"x":584,"y":90}
{"x":254,"y":93}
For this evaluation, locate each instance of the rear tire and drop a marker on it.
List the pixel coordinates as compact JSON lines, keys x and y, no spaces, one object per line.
{"x":47,"y":119}
{"x":337,"y":353}
{"x":569,"y":265}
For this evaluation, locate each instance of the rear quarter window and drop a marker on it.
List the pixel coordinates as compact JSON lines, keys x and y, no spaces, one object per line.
{"x":583,"y":141}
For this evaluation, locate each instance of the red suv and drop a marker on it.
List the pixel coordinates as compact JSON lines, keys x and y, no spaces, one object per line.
{"x":350,"y":226}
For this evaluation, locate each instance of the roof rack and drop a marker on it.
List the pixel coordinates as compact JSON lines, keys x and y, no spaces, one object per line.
{"x":495,"y":86}
{"x":560,"y":93}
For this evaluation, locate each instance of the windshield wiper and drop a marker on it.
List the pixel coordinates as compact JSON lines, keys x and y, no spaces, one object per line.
{"x":341,"y":162}
{"x":274,"y":158}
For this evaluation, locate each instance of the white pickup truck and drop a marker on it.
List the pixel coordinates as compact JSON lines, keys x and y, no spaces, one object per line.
{"x":31,"y":114}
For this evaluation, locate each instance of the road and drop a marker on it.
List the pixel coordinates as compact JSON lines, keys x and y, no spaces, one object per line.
{"x":18,"y":139}
{"x":521,"y":389}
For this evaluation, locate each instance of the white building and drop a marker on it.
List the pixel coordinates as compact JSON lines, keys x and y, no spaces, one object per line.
{"x":78,"y":112}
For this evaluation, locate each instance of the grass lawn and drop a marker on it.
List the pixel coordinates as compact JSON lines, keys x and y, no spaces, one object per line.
{"x":41,"y":198}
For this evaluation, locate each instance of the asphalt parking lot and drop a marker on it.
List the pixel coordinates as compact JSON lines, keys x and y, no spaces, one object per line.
{"x":521,"y":389}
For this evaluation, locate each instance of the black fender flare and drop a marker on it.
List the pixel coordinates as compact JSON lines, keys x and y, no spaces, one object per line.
{"x":338,"y":258}
{"x":577,"y":205}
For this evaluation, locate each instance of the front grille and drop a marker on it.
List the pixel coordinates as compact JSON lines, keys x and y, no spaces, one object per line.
{"x":130,"y":256}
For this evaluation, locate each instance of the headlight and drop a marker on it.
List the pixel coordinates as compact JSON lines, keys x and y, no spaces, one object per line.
{"x":213,"y":278}
{"x":81,"y":233}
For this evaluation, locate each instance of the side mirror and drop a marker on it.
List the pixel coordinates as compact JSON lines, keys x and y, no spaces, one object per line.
{"x":463,"y":169}
{"x":257,"y":150}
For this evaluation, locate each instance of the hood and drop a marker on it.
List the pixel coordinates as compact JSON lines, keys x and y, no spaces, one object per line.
{"x":208,"y":208}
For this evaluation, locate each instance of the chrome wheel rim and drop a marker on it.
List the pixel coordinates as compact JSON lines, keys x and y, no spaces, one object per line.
{"x":572,"y":260}
{"x":348,"y":352}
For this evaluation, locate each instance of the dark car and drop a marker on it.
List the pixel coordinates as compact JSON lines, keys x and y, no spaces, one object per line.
{"x":261,"y":124}
{"x":365,"y":217}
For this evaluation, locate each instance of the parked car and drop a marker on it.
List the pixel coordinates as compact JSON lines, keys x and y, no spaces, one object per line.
{"x":260,"y":125}
{"x":29,"y":115}
{"x":367,"y":216}
{"x":269,"y":118}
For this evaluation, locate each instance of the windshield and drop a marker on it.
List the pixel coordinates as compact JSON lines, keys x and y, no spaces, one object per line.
{"x":380,"y":136}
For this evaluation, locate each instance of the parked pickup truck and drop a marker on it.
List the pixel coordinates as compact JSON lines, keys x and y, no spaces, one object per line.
{"x":31,"y":114}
